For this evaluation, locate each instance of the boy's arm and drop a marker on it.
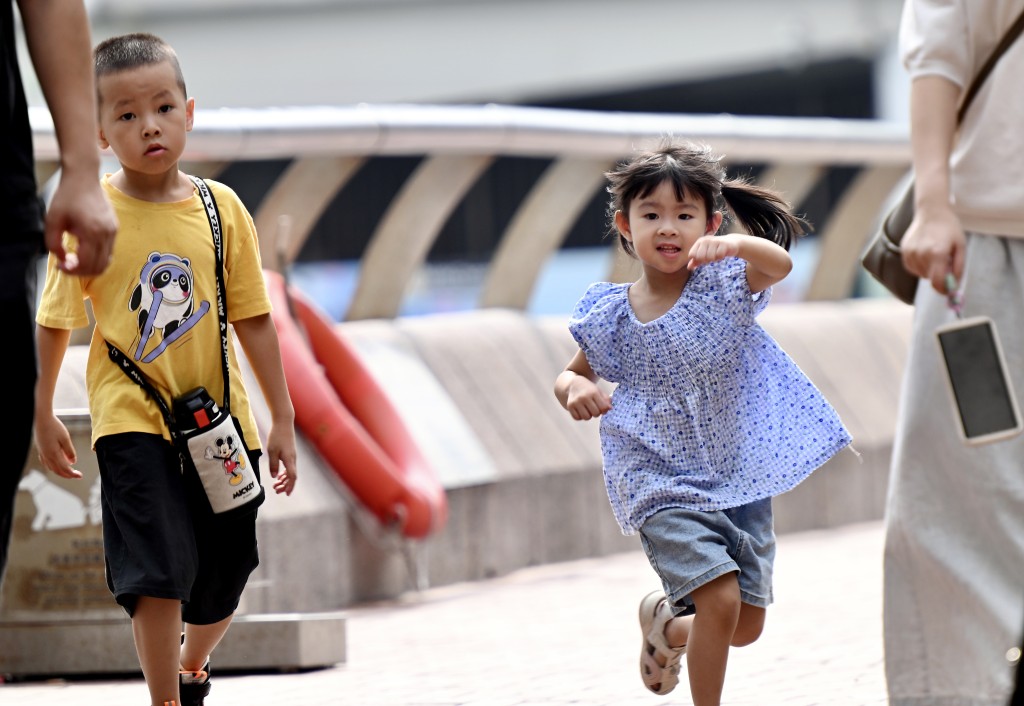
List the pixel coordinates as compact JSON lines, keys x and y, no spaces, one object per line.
{"x":767,"y":262}
{"x":57,"y":34}
{"x":258,"y":337}
{"x":576,"y":389}
{"x":56,"y":451}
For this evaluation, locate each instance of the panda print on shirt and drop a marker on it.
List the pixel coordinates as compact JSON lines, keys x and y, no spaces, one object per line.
{"x":164,"y":300}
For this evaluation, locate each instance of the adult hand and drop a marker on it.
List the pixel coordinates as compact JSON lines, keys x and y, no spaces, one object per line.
{"x":934,"y":246}
{"x":80,"y":207}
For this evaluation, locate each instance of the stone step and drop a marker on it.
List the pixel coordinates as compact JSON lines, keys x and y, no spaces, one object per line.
{"x":271,"y":641}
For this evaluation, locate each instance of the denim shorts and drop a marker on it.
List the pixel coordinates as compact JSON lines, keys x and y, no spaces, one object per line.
{"x":689,"y":548}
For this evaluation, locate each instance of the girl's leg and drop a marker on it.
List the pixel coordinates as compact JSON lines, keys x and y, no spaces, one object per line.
{"x":200,"y":640}
{"x":749,"y":626}
{"x":156,"y":625}
{"x":714,"y":627}
{"x":677,"y":631}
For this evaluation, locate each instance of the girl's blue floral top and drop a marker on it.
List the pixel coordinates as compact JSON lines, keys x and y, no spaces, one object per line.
{"x":708,"y":412}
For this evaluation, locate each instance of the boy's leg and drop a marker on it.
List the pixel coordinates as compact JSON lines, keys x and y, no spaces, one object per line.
{"x":224,"y":569}
{"x":714,"y":625}
{"x":156,"y":625}
{"x":200,"y":641}
{"x":148,"y":548}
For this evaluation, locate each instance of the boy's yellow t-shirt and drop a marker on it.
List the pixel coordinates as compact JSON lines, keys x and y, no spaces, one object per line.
{"x":157,"y":302}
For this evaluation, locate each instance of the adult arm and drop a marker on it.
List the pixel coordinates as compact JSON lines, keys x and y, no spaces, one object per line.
{"x":258,"y":337}
{"x":935,"y":243}
{"x":58,"y":38}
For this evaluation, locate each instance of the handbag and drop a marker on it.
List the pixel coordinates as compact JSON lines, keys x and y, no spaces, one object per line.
{"x":883,"y":258}
{"x":208,"y":438}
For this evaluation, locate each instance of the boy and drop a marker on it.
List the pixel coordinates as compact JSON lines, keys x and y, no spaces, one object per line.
{"x":168,"y":557}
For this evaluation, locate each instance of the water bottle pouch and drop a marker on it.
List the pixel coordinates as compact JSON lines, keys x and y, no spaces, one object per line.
{"x":212,"y":446}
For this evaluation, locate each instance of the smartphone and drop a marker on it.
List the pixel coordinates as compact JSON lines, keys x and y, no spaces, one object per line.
{"x":983,"y":396}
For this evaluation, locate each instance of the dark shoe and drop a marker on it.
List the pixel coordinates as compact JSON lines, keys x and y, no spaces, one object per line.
{"x":194,"y":687}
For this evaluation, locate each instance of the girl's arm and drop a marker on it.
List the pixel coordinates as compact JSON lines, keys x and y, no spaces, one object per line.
{"x":767,"y":262}
{"x":258,"y":337}
{"x":53,"y":442}
{"x":576,"y":389}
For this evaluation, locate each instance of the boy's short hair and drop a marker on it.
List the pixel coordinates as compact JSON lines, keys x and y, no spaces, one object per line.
{"x":130,"y":51}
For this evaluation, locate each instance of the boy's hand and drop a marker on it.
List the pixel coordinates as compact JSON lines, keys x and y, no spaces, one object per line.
{"x":281,"y":452}
{"x":586,"y":400}
{"x":56,"y":451}
{"x":711,"y":248}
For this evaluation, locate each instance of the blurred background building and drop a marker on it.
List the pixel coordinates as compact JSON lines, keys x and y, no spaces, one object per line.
{"x":799,"y":58}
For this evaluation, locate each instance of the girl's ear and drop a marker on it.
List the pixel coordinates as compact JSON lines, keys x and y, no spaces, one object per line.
{"x":102,"y":139}
{"x":714,"y":223}
{"x":622,"y":224}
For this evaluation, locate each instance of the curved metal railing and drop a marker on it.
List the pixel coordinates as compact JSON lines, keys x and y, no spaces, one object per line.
{"x":327,"y":145}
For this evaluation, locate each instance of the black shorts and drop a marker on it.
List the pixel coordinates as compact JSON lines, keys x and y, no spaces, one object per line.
{"x":160,"y":537}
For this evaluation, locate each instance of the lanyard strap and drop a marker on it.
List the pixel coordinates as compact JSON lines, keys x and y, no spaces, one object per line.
{"x":954,"y":296}
{"x":132,"y":370}
{"x":213,"y":215}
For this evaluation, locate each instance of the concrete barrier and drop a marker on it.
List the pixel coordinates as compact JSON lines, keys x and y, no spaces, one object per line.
{"x":523,"y":479}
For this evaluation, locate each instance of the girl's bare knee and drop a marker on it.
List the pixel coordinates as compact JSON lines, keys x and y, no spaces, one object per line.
{"x":719,"y":597}
{"x":749,"y":626}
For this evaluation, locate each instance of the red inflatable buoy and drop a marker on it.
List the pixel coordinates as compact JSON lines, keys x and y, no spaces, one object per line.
{"x":342,"y":410}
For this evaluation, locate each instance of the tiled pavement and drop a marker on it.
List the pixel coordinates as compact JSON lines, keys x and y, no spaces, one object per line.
{"x":567,"y":634}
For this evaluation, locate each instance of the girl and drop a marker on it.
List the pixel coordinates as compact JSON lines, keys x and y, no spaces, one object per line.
{"x":710,"y":418}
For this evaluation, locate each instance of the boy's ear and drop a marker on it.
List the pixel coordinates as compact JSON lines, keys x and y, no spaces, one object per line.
{"x":714,"y":223}
{"x":190,"y":113}
{"x":622,"y":224}
{"x":102,"y":139}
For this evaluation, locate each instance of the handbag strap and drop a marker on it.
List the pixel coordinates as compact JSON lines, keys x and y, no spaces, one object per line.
{"x":132,"y":370}
{"x":1008,"y":39}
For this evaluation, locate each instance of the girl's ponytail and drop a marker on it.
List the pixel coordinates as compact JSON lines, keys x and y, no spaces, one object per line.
{"x":763,"y":212}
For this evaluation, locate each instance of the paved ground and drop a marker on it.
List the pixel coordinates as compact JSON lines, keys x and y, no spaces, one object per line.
{"x":567,"y":634}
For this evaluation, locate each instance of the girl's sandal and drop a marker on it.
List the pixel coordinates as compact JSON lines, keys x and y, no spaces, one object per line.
{"x":654,"y":613}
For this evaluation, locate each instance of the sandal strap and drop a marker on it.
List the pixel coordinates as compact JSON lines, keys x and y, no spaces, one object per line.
{"x":656,"y":636}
